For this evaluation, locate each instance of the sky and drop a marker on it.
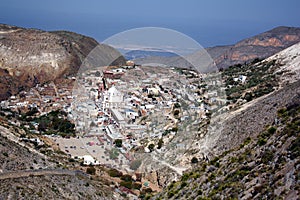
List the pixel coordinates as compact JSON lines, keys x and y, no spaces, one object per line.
{"x":210,"y":22}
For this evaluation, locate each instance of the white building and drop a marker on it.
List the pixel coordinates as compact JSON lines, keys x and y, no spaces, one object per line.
{"x":89,"y":160}
{"x":112,"y":98}
{"x":118,"y":116}
{"x":241,"y":78}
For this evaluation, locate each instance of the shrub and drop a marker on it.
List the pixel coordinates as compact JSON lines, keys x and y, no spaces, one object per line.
{"x":246,"y":142}
{"x":118,"y":142}
{"x":160,"y":143}
{"x":271,"y":130}
{"x":151,"y":147}
{"x":171,"y":194}
{"x":267,"y":156}
{"x":194,"y":160}
{"x":185,"y":177}
{"x":126,"y":177}
{"x":295,"y":148}
{"x":183,"y":184}
{"x":214,"y":161}
{"x":248,"y":97}
{"x":136,"y":186}
{"x":91,"y":170}
{"x":261,"y":141}
{"x":127,"y":184}
{"x":114,"y":173}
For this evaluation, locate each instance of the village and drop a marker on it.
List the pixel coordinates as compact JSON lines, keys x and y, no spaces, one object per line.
{"x":130,"y":111}
{"x":122,"y":113}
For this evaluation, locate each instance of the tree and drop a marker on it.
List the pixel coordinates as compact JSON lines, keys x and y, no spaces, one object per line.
{"x":151,"y":147}
{"x":97,"y":74}
{"x":114,"y":173}
{"x":160,"y":143}
{"x":194,"y":160}
{"x":118,"y":143}
{"x":176,"y":112}
{"x":248,"y":96}
{"x":174,"y":129}
{"x":91,"y":170}
{"x":177,"y":105}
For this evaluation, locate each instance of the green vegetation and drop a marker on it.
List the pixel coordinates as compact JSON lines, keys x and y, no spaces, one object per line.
{"x":118,"y":143}
{"x":263,"y":137}
{"x":160,"y":143}
{"x":294,"y":148}
{"x":114,"y":173}
{"x":246,"y":142}
{"x":267,"y":156}
{"x":91,"y":170}
{"x":127,"y":184}
{"x":113,"y":153}
{"x":151,"y":147}
{"x":126,"y":177}
{"x":260,"y":80}
{"x":263,"y":157}
{"x":55,"y":122}
{"x":194,"y":160}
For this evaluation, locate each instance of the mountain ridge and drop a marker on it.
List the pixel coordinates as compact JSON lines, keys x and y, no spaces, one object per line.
{"x":259,"y":46}
{"x":33,"y":56}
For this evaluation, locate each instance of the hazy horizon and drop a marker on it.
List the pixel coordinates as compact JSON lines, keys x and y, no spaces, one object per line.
{"x":210,"y":23}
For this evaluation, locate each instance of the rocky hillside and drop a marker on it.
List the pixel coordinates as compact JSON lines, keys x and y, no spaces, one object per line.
{"x":264,"y":166}
{"x":30,"y":56}
{"x":260,"y":46}
{"x":254,"y":152}
{"x":25,"y":173}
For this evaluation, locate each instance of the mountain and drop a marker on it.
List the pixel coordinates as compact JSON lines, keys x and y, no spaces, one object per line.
{"x":249,"y":152}
{"x":260,"y":47}
{"x":31,"y":56}
{"x":254,"y":153}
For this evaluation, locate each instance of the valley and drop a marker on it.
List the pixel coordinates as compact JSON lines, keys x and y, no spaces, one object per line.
{"x":104,"y":128}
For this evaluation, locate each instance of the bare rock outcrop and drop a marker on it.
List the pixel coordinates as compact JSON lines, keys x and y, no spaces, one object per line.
{"x":30,"y":56}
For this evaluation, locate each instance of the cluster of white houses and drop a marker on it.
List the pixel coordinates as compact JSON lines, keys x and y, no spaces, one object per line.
{"x":111,"y":108}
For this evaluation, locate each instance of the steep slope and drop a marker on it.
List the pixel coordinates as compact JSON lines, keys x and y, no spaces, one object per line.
{"x":8,"y":84}
{"x":33,"y":56}
{"x":254,"y":152}
{"x":263,"y":166}
{"x":26,"y":173}
{"x":252,"y":117}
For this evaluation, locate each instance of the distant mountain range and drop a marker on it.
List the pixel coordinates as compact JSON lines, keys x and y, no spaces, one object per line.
{"x":260,"y":46}
{"x":134,"y":54}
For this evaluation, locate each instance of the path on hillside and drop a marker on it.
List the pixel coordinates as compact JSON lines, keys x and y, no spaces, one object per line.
{"x":178,"y":170}
{"x":10,"y":136}
{"x":38,"y":172}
